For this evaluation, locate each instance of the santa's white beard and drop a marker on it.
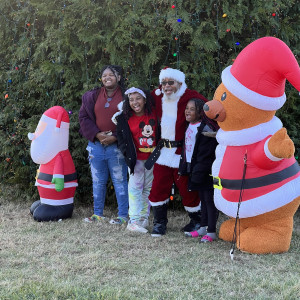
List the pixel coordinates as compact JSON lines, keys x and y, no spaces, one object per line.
{"x":46,"y":146}
{"x":172,"y":98}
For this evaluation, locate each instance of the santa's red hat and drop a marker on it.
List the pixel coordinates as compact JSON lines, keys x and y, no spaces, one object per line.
{"x":258,"y":75}
{"x":59,"y":114}
{"x":170,"y":73}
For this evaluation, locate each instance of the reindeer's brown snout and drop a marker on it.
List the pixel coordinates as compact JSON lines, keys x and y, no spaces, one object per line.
{"x":215,"y":110}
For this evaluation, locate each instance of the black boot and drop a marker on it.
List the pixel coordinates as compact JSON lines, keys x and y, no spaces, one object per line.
{"x":45,"y":212}
{"x":34,"y":206}
{"x":194,"y":223}
{"x":160,"y":220}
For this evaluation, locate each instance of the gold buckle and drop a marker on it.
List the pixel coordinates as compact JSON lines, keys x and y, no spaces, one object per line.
{"x":37,"y":174}
{"x":167,"y":144}
{"x":217,"y":182}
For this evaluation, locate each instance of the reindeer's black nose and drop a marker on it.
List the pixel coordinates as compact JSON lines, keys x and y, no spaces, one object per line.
{"x":205,"y":107}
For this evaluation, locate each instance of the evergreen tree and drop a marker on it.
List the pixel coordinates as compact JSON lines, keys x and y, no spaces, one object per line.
{"x":51,"y":53}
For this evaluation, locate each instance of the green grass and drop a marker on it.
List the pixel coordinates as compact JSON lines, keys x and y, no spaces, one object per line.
{"x":75,"y":260}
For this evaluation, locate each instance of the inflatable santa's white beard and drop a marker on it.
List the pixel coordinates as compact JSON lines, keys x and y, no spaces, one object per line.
{"x":48,"y":141}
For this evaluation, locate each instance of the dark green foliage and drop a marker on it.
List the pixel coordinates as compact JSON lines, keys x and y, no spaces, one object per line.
{"x":51,"y":53}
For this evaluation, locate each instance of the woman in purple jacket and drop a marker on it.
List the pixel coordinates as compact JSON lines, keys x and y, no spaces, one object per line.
{"x":97,"y":109}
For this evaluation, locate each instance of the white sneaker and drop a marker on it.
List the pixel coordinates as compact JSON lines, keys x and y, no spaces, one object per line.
{"x":143,"y":222}
{"x":136,"y":228}
{"x":156,"y":235}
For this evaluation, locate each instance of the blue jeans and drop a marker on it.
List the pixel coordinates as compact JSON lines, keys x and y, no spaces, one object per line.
{"x":105,"y":161}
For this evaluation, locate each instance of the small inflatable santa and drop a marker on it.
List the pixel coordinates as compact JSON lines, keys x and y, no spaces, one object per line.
{"x":56,"y":178}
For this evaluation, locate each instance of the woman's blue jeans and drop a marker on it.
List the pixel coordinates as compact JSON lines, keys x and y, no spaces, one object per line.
{"x":105,"y":161}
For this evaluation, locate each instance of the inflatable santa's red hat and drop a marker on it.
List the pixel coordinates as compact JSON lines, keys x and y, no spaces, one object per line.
{"x":59,"y":114}
{"x":259,"y":72}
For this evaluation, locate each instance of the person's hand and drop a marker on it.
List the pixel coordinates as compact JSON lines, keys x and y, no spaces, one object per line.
{"x":105,"y":137}
{"x":101,"y":135}
{"x":109,"y":139}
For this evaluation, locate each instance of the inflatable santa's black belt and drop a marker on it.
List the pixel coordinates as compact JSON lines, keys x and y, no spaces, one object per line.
{"x":156,"y":153}
{"x":252,"y":183}
{"x":48,"y":177}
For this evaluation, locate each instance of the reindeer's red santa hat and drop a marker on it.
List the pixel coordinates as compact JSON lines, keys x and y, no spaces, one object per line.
{"x":259,"y":73}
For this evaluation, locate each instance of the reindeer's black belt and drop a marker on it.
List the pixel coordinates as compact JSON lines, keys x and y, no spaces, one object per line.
{"x":252,"y":183}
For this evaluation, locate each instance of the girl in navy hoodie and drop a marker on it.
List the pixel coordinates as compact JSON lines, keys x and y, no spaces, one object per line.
{"x":196,"y":160}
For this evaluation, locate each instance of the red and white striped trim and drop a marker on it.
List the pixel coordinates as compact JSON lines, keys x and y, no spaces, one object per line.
{"x":250,"y":97}
{"x":52,"y":185}
{"x":57,"y":202}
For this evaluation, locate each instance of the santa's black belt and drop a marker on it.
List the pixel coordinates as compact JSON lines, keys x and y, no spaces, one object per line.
{"x":252,"y":183}
{"x":156,"y":153}
{"x":48,"y":177}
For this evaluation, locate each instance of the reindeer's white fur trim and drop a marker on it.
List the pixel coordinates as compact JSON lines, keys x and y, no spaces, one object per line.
{"x":250,"y":135}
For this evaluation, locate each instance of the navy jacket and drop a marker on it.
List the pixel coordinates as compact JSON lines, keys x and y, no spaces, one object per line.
{"x":125,"y":142}
{"x":201,"y":163}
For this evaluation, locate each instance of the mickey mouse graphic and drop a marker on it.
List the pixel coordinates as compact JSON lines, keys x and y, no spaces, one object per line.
{"x":147,"y":138}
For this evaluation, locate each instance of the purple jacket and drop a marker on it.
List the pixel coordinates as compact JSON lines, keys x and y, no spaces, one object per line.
{"x":87,"y":118}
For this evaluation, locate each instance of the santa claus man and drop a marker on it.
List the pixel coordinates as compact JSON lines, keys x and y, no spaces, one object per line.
{"x":170,"y":104}
{"x":56,"y":178}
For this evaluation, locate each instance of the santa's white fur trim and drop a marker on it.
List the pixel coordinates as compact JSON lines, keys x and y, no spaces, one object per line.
{"x":157,"y":92}
{"x":193,"y":209}
{"x":159,"y":203}
{"x":173,"y":74}
{"x":248,"y":96}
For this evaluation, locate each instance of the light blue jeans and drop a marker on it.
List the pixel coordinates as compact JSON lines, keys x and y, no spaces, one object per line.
{"x":139,"y":187}
{"x":105,"y":161}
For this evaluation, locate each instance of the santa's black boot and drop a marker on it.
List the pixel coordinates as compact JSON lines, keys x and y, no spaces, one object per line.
{"x":160,"y":220}
{"x":34,"y":206}
{"x":195,"y":222}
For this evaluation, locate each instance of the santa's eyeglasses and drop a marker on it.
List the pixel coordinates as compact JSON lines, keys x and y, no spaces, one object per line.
{"x":170,"y":82}
{"x":107,"y":102}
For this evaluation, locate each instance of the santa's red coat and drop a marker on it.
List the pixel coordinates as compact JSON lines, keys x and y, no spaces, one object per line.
{"x":180,"y":120}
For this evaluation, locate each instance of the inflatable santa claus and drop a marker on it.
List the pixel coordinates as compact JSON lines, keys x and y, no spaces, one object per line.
{"x":56,"y":178}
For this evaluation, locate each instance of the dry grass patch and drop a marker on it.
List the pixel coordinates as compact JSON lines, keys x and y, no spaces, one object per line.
{"x":76,"y":260}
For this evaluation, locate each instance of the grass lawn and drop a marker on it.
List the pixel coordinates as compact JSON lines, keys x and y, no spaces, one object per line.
{"x":75,"y":260}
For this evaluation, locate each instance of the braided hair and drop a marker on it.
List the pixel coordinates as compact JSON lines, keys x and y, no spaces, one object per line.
{"x":127,"y":110}
{"x":118,"y":71}
{"x":199,"y":110}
